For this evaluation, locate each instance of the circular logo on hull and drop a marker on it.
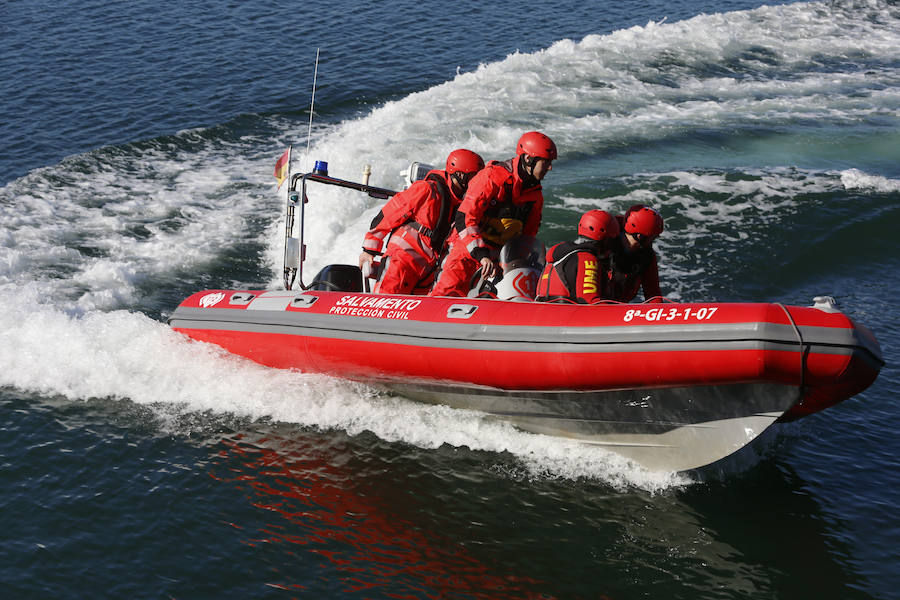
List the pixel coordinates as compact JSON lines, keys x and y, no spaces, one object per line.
{"x":211,"y":299}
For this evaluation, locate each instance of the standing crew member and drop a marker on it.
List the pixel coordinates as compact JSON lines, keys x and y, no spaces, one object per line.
{"x":418,"y":219}
{"x":633,"y":262}
{"x":578,"y":271}
{"x":503,"y":201}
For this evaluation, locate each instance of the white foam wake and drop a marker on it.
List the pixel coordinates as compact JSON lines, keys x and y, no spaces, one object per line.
{"x":125,"y":355}
{"x":854,"y":179}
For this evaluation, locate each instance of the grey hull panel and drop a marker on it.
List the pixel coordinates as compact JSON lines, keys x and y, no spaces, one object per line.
{"x":668,"y":429}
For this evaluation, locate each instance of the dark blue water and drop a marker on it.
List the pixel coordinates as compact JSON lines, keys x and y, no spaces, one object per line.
{"x":138,"y":146}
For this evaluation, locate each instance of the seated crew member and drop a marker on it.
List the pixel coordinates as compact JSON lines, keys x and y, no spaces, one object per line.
{"x":418,"y":219}
{"x":503,"y":201}
{"x":578,"y":270}
{"x":633,"y":261}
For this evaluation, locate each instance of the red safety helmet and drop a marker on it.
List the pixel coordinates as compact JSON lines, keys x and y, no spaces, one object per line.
{"x":535,"y":143}
{"x":644,"y":221}
{"x":464,"y":161}
{"x":598,"y":225}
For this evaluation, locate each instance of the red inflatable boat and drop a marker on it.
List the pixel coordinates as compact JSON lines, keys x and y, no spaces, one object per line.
{"x":670,"y":386}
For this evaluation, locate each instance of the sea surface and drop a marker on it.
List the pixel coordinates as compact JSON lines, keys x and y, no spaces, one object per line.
{"x":137,"y":144}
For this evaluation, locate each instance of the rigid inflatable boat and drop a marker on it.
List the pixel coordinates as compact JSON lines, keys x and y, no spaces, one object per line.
{"x":671,"y":386}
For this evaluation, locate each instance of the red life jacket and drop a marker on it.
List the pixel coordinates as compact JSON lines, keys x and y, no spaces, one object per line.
{"x":573,"y":272}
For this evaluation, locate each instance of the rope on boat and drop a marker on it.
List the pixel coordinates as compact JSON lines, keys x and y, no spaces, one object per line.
{"x":805,"y":349}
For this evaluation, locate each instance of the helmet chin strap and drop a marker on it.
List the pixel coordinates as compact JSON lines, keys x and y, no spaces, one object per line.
{"x":526,"y":170}
{"x":459,"y":183}
{"x":601,"y":245}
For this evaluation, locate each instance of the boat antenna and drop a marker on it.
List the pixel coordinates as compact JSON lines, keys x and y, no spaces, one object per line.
{"x":312,"y":104}
{"x":294,"y":249}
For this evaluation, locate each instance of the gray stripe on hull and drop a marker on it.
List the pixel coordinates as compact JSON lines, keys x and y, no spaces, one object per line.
{"x":514,"y":338}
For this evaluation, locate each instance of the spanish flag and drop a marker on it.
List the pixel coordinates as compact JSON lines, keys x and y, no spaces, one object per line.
{"x":283,"y":166}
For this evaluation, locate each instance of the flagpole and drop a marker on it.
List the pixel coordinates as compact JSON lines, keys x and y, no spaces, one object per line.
{"x":290,"y":150}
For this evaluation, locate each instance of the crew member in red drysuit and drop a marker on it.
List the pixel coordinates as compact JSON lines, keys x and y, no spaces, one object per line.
{"x":503,"y":201}
{"x":633,"y":261}
{"x":578,"y":271}
{"x":418,"y":220}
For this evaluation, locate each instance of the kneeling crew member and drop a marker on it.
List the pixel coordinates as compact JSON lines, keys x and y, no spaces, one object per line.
{"x":418,"y":220}
{"x":578,"y":271}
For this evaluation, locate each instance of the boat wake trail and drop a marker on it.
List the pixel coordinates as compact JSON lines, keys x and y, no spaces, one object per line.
{"x":726,"y":121}
{"x":127,"y":356}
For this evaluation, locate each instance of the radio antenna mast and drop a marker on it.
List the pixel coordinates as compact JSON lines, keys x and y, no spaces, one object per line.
{"x":312,"y":104}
